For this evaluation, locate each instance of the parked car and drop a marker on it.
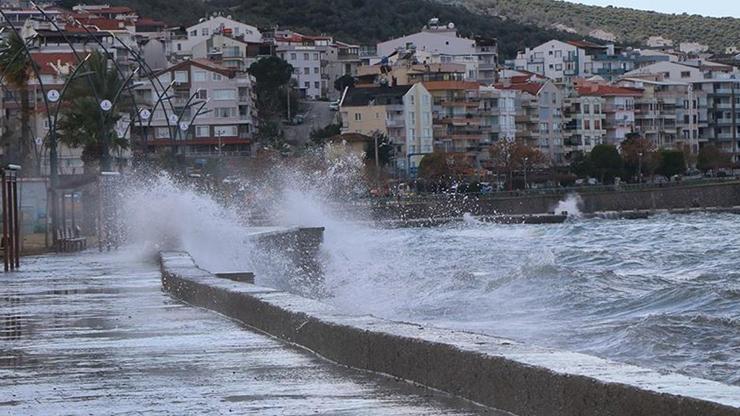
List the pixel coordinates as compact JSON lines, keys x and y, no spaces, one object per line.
{"x":334,"y":105}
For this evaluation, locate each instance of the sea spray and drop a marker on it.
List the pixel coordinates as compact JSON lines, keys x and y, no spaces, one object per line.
{"x":570,"y":205}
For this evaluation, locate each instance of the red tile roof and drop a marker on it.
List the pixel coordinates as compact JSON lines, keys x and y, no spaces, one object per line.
{"x":48,"y":61}
{"x":529,"y":87}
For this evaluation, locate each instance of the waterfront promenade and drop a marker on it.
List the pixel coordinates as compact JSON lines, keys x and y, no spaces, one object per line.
{"x":94,"y":334}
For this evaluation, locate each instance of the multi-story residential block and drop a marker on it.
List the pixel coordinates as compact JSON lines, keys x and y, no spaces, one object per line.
{"x":563,"y":62}
{"x":457,"y":125}
{"x":539,"y":116}
{"x":317,"y":61}
{"x":723,"y":113}
{"x":669,"y":113}
{"x":440,"y":43}
{"x":231,"y":52}
{"x":403,"y":113}
{"x":619,"y":107}
{"x":468,"y":118}
{"x":210,"y":112}
{"x":206,"y":27}
{"x":584,"y":123}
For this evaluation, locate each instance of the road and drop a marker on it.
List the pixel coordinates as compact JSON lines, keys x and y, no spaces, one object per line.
{"x":95,"y":334}
{"x":317,"y":115}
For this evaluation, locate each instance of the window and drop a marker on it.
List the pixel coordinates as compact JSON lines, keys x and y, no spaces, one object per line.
{"x":224,"y":112}
{"x":587,"y":124}
{"x":193,"y":33}
{"x":228,"y":94}
{"x":228,"y":131}
{"x":305,"y":56}
{"x":292,"y":57}
{"x":179,"y":46}
{"x":203,"y":94}
{"x":307,"y":84}
{"x":316,"y":56}
{"x":558,"y":67}
{"x":181,"y":76}
{"x":217,"y":76}
{"x":317,"y":85}
{"x":162,"y":133}
{"x":685,"y":74}
{"x":306,"y":70}
{"x":199,"y":76}
{"x":316,"y":70}
{"x":358,"y":116}
{"x":204,"y":31}
{"x":202,"y":131}
{"x":558,"y":54}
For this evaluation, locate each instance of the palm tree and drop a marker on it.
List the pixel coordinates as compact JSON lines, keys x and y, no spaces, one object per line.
{"x":83,"y":123}
{"x":15,"y":67}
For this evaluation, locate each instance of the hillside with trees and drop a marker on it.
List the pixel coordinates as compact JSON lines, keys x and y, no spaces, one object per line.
{"x":629,"y":25}
{"x":359,"y":21}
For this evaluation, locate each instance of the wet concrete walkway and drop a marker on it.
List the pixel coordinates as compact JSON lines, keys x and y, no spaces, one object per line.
{"x":94,"y":334}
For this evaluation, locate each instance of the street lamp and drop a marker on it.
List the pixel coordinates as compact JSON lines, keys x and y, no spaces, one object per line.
{"x":639,"y":167}
{"x":525,"y":172}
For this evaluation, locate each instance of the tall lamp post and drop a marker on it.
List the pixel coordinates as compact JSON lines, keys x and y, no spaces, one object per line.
{"x":639,"y":167}
{"x":526,"y":159}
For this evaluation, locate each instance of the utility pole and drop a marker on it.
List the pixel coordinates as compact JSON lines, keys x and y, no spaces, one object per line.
{"x":287,"y":99}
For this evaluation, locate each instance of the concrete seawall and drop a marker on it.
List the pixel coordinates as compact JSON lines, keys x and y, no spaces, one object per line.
{"x":522,"y":379}
{"x":669,"y":197}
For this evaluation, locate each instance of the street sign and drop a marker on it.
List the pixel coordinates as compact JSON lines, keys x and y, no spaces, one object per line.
{"x":106,"y":105}
{"x":145,"y":114}
{"x":53,"y":95}
{"x":184,"y":126}
{"x":173,"y":118}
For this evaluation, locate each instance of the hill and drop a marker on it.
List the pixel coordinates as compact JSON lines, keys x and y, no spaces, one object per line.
{"x":629,"y":25}
{"x":360,"y":21}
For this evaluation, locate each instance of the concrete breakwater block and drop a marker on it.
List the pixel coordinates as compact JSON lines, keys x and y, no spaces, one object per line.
{"x":497,"y":372}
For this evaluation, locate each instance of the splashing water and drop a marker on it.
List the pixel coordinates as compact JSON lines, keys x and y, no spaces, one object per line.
{"x":659,"y":293}
{"x":570,"y":205}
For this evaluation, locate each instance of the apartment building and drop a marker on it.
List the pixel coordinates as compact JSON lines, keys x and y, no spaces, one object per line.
{"x":440,"y":43}
{"x":619,"y":107}
{"x":539,"y":116}
{"x":403,"y":113}
{"x":669,"y":113}
{"x":563,"y":62}
{"x":584,"y":123}
{"x":317,"y":61}
{"x":231,"y":52}
{"x":723,"y":113}
{"x":206,"y":27}
{"x":209,"y":111}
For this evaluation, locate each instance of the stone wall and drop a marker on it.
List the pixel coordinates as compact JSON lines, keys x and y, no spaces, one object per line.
{"x":496,"y":372}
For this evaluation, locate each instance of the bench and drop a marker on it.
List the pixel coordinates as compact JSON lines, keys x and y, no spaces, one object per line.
{"x":69,"y":239}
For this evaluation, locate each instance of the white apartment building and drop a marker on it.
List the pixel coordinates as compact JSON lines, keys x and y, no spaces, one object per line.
{"x":209,"y":111}
{"x":317,"y":61}
{"x":437,"y":43}
{"x":214,"y":25}
{"x":557,"y":60}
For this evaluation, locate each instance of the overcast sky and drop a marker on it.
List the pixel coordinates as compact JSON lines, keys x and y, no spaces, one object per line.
{"x":718,"y":8}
